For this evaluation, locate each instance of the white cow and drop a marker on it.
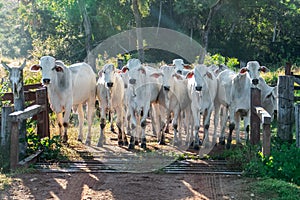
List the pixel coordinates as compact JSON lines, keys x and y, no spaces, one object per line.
{"x":180,"y":67}
{"x":268,"y":94}
{"x":176,"y":98}
{"x":69,"y":87}
{"x":223,"y":99}
{"x":110,"y":92}
{"x":144,"y":90}
{"x":202,"y":87}
{"x":240,"y":104}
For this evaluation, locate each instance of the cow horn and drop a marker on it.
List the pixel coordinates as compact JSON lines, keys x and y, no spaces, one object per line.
{"x":23,"y":65}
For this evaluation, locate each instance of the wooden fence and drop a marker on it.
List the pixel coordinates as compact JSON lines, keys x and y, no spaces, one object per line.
{"x":36,"y":97}
{"x":260,"y":116}
{"x":288,"y":113}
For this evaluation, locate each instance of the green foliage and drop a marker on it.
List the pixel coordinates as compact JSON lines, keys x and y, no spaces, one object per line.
{"x":51,"y":147}
{"x":218,"y":59}
{"x":284,"y":164}
{"x":239,"y":156}
{"x":269,"y":188}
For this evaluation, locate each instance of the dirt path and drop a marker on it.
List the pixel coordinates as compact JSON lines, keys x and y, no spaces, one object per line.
{"x":124,"y":186}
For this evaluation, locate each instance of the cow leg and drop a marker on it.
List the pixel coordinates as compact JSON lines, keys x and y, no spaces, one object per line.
{"x":134,"y":131}
{"x":143,"y":126}
{"x":66,"y":122}
{"x":224,"y":118}
{"x":175,"y":127}
{"x":196,"y":129}
{"x":237,"y":130}
{"x":90,"y":113}
{"x":101,"y":140}
{"x":206,"y":127}
{"x":247,"y":125}
{"x":60,"y":123}
{"x":111,"y":120}
{"x":80,"y":118}
{"x":216,"y":121}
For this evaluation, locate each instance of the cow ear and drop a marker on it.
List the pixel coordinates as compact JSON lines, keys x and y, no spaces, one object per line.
{"x":59,"y":69}
{"x":100,"y":73}
{"x":264,"y":69}
{"x":142,"y":70}
{"x":209,"y":75}
{"x":187,"y":67}
{"x":179,"y":77}
{"x":156,"y":75}
{"x":243,"y":70}
{"x":124,"y":69}
{"x":190,"y":74}
{"x":35,"y":68}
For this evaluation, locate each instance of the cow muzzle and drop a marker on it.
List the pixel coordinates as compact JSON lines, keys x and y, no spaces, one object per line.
{"x":179,"y":72}
{"x":132,"y":81}
{"x":167,"y":88}
{"x":255,"y":81}
{"x":109,"y":84}
{"x":198,"y":88}
{"x":46,"y":81}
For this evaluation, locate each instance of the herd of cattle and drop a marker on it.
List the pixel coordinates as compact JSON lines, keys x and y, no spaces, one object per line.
{"x":174,"y":92}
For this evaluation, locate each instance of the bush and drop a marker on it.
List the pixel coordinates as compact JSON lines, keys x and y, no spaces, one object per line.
{"x":283,"y":163}
{"x":51,"y":147}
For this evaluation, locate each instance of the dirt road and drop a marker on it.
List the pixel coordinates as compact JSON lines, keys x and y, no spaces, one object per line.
{"x":125,"y":186}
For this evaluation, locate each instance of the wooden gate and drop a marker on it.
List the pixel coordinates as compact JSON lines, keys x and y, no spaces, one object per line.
{"x":36,"y":97}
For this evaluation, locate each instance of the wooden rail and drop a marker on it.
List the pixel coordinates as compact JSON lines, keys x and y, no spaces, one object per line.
{"x":260,"y":116}
{"x":11,"y":121}
{"x":15,"y":118}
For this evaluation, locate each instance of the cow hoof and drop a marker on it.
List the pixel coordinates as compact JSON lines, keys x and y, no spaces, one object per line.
{"x":162,"y":142}
{"x":143,"y":145}
{"x":196,"y":147}
{"x":167,"y":130}
{"x":192,"y":144}
{"x":126,"y":143}
{"x":112,"y":129}
{"x":136,"y":142}
{"x":120,"y":143}
{"x":228,"y":145}
{"x":99,"y":144}
{"x":131,"y":146}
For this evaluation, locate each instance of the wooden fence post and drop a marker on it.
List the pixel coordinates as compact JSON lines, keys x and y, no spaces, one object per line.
{"x":43,"y":129}
{"x":266,"y":146}
{"x":5,"y":138}
{"x":254,"y":118}
{"x":285,"y":108}
{"x":14,"y":145}
{"x":297,"y":118}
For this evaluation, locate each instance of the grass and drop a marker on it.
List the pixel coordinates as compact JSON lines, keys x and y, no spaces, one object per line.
{"x":5,"y":181}
{"x":274,"y":189}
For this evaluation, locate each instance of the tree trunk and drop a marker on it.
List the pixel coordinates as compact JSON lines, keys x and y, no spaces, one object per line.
{"x":206,"y":30}
{"x":138,"y":22}
{"x":88,"y":32}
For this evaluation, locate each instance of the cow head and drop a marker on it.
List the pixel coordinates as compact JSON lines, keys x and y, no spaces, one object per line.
{"x":50,"y":67}
{"x":201,"y":75}
{"x":108,"y":73}
{"x":16,"y":78}
{"x":254,"y":70}
{"x":179,"y":65}
{"x":134,"y":70}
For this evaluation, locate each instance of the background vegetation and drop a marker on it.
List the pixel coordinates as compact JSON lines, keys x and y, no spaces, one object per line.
{"x":232,"y":31}
{"x":265,"y":30}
